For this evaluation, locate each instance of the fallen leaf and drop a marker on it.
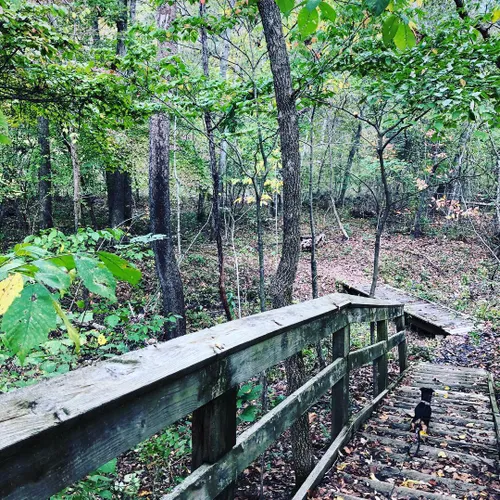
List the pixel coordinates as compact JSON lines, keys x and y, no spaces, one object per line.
{"x":442,"y":454}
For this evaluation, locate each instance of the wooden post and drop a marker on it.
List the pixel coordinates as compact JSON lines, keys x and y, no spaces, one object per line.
{"x":340,"y":392}
{"x":214,"y":434}
{"x":380,"y":382}
{"x":402,"y":347}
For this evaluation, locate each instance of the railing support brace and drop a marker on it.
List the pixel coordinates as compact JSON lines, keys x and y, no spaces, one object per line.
{"x":380,"y":382}
{"x":340,"y":391}
{"x":214,"y":433}
{"x":402,"y":347}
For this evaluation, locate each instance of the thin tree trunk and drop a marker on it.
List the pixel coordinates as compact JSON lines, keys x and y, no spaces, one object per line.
{"x":382,"y":217}
{"x":133,"y":11}
{"x":314,"y":266}
{"x":118,"y":182}
{"x":75,"y":163}
{"x":350,"y":160}
{"x":159,"y":199}
{"x":287,"y":268}
{"x":214,"y":169}
{"x":45,"y":174}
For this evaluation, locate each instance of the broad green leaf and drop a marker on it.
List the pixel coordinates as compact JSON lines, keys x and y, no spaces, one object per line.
{"x":12,"y":264}
{"x":249,"y":414}
{"x":66,"y":261}
{"x":376,"y":7}
{"x":120,"y":268}
{"x":51,"y":275}
{"x":312,"y":4}
{"x":404,"y":37}
{"x":285,"y":6}
{"x":97,"y":278}
{"x":108,"y":468}
{"x":5,"y":139}
{"x":390,"y":28}
{"x":10,"y":288}
{"x":307,"y":21}
{"x":29,"y":320}
{"x":27,"y":250}
{"x":327,"y":12}
{"x":72,"y":331}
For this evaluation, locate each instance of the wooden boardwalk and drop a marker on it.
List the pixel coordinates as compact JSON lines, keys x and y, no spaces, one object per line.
{"x":459,"y":458}
{"x":420,"y":314}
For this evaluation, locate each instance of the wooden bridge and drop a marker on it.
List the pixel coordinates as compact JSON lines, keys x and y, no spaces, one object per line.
{"x":55,"y":432}
{"x":422,"y":315}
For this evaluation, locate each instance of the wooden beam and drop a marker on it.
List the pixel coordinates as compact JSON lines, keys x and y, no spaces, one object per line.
{"x":494,"y":407}
{"x":55,"y":432}
{"x":340,"y":392}
{"x":208,"y":480}
{"x":380,"y":383}
{"x":395,"y":340}
{"x":326,"y":461}
{"x":214,"y":434}
{"x":366,"y":355}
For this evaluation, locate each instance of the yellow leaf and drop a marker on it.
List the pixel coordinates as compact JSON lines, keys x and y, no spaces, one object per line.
{"x":101,"y":340}
{"x":434,"y":51}
{"x":342,"y":466}
{"x":440,"y":473}
{"x":463,"y":82}
{"x":446,"y":388}
{"x":72,"y":331}
{"x":442,"y":454}
{"x":495,"y":16}
{"x":462,"y":436}
{"x":10,"y":288}
{"x":445,"y":395}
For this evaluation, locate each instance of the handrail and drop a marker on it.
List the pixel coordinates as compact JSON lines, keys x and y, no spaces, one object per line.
{"x":55,"y":432}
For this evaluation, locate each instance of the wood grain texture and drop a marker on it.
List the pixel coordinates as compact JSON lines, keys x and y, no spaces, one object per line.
{"x":55,"y":432}
{"x":208,"y":480}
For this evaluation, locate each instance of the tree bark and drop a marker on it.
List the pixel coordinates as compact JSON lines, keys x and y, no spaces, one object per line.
{"x":45,"y":174}
{"x":287,"y":267}
{"x":382,"y":217}
{"x":75,"y":163}
{"x":216,"y":184}
{"x":350,"y":160}
{"x":159,"y":201}
{"x":118,"y":182}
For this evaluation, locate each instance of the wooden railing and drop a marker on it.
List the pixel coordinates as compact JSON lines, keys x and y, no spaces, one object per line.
{"x":55,"y":432}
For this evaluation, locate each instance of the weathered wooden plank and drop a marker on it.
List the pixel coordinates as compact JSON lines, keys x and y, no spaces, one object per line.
{"x":380,"y":381}
{"x":214,"y":434}
{"x":208,"y":480}
{"x":55,"y":432}
{"x":366,"y":355}
{"x":340,"y":391}
{"x":344,"y":436}
{"x":494,"y":407}
{"x":396,"y":339}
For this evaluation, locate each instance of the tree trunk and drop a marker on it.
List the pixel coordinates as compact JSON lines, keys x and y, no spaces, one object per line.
{"x":133,"y":11}
{"x":214,"y":170}
{"x":314,"y":266}
{"x":159,"y":200}
{"x":45,"y":174}
{"x":382,"y":217}
{"x":350,"y":160}
{"x":75,"y":163}
{"x":287,"y":268}
{"x":118,"y":182}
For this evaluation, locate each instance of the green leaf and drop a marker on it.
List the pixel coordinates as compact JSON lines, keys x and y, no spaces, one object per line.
{"x":66,"y":261}
{"x":307,"y":21}
{"x":249,"y":414}
{"x":327,"y":12}
{"x":5,"y":139}
{"x":108,"y":468}
{"x":51,"y":275}
{"x":120,"y":268}
{"x":285,"y":6}
{"x":389,"y":29}
{"x":312,"y":4}
{"x":95,"y":277}
{"x":72,"y":331}
{"x":404,"y":37}
{"x":29,"y":320}
{"x":376,"y":7}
